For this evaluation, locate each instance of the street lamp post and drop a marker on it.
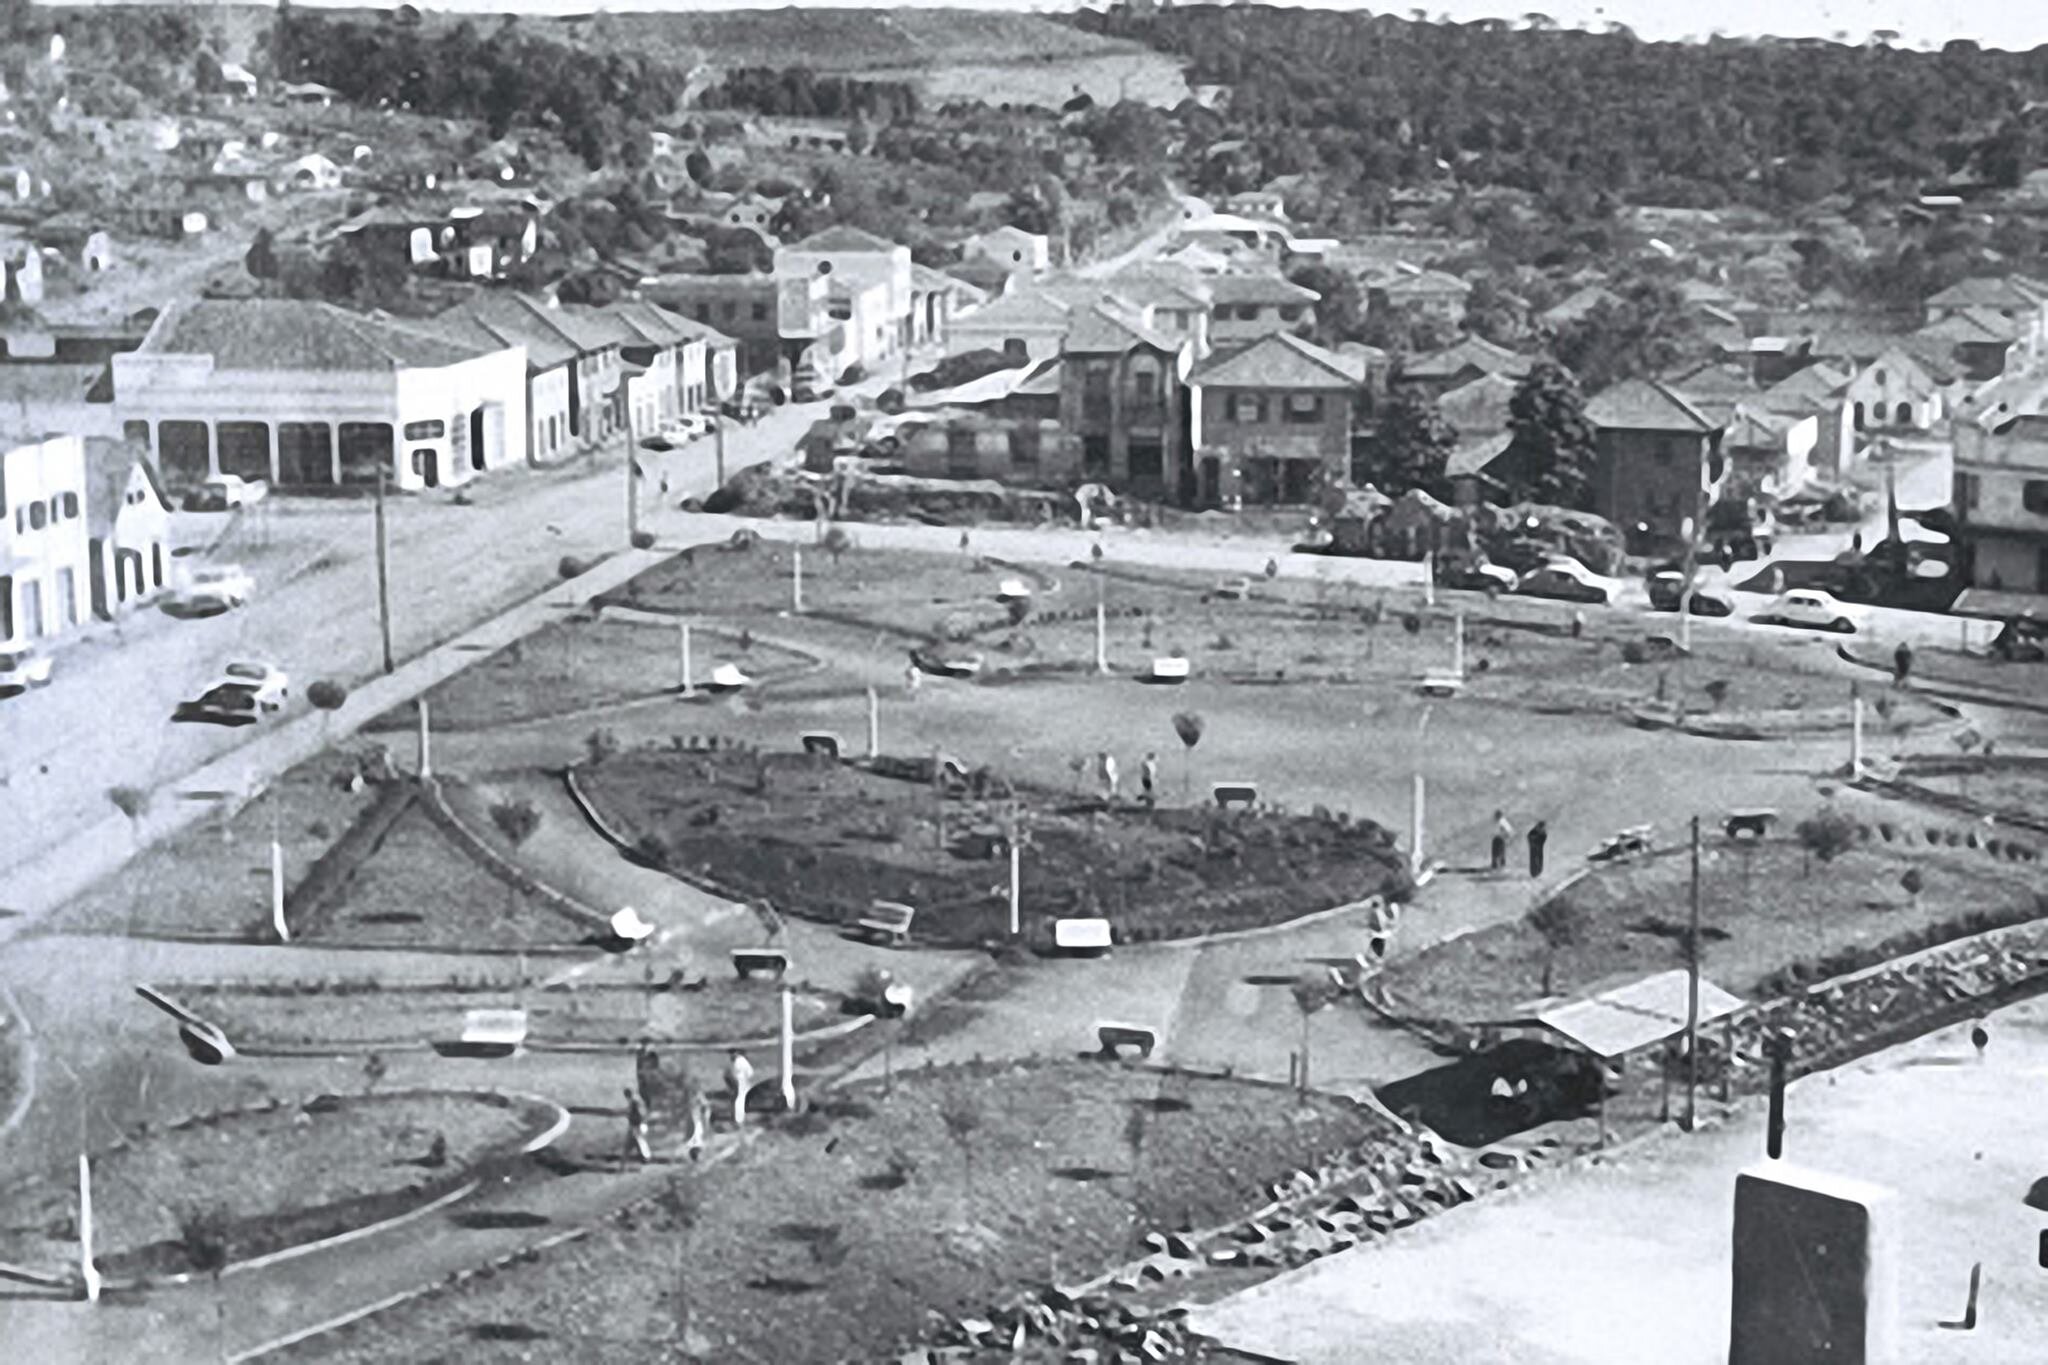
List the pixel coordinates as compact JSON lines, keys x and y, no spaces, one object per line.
{"x":1417,"y":828}
{"x":1692,"y":988}
{"x":384,"y":575}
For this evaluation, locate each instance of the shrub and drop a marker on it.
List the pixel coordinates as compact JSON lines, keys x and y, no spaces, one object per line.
{"x":1411,"y":622}
{"x":326,"y":695}
{"x":1633,"y":652}
{"x":516,"y":819}
{"x":599,"y":745}
{"x":572,"y":567}
{"x":643,"y":540}
{"x":652,"y":850}
{"x":1826,"y":834}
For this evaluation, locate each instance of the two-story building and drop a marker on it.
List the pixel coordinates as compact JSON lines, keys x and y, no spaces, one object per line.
{"x":1463,"y":361}
{"x":1273,"y":422}
{"x":45,"y":562}
{"x":128,"y":525}
{"x":2015,"y":299}
{"x":1245,"y":307}
{"x":2000,"y":502}
{"x":870,"y":287}
{"x":1658,"y":463}
{"x":1031,"y":323}
{"x":1124,"y":404}
{"x":1821,"y":392}
{"x":575,"y":383}
{"x":1983,"y":341}
{"x":308,"y":394}
{"x":1895,"y":390}
{"x":1419,"y":292}
{"x":742,"y":308}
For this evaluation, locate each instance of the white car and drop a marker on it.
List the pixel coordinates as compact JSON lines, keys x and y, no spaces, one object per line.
{"x":212,"y":588}
{"x":1232,"y":590}
{"x":226,"y":493}
{"x":1566,"y":578}
{"x":23,"y":667}
{"x":267,"y":681}
{"x":1810,"y":609}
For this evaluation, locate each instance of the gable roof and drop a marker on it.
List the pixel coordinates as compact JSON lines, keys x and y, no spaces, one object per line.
{"x":1156,"y":286}
{"x":1972,"y":326}
{"x":1278,"y":361}
{"x":534,"y":323}
{"x":1420,"y":282}
{"x":1478,"y":412}
{"x":1808,"y":390}
{"x":1102,"y":329}
{"x":1757,"y":428}
{"x":1578,"y":303}
{"x":294,"y":334}
{"x":1259,"y":288}
{"x":840,"y":237}
{"x":110,"y":466}
{"x":1033,"y":308}
{"x":1470,"y":352}
{"x":1645,"y":405}
{"x":1990,"y":291}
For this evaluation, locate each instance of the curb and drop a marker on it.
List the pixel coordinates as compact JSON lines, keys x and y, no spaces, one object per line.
{"x":442,"y":813}
{"x":1962,"y":692}
{"x":25,"y":1071}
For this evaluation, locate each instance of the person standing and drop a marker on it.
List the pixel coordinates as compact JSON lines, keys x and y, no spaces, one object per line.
{"x":912,"y":677}
{"x":700,"y":1122}
{"x":1105,"y":766}
{"x":740,"y":1073}
{"x":1502,"y":832}
{"x":1980,"y":1038}
{"x":1539,"y":835}
{"x":636,"y":1129}
{"x":1148,"y":778}
{"x":1578,"y":623}
{"x":1902,"y":664}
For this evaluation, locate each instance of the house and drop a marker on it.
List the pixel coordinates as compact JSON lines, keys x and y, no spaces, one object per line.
{"x":1173,"y":301}
{"x":492,"y":241}
{"x":870,"y":291}
{"x":991,"y":279}
{"x":1245,"y":307}
{"x":1577,"y":305}
{"x":1419,"y":292}
{"x":934,"y":295}
{"x":1273,"y":422}
{"x":1658,"y":463}
{"x":666,"y":359}
{"x":1229,"y":232}
{"x":2000,"y":502}
{"x":44,"y":559}
{"x":1033,"y":323}
{"x":2014,"y":299}
{"x":1011,"y":247}
{"x":1478,"y":411}
{"x":740,"y":307}
{"x":575,"y":381}
{"x":1123,"y":402}
{"x":1982,"y":341}
{"x":1895,"y":390}
{"x":128,"y":525}
{"x":308,"y":394}
{"x":313,"y":171}
{"x":80,"y":241}
{"x":1462,"y":362}
{"x":969,"y":443}
{"x":22,"y":263}
{"x":1769,"y":453}
{"x":391,"y":238}
{"x":1820,"y":392}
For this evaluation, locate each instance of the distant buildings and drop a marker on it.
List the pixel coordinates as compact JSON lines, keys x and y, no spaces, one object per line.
{"x":1658,"y":459}
{"x":2000,"y":501}
{"x":1273,"y":422}
{"x":45,"y":558}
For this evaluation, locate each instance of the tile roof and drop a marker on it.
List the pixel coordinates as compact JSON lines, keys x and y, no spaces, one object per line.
{"x":1158,"y":286}
{"x":1471,"y":352}
{"x":1645,"y":405}
{"x":535,"y":322}
{"x":1278,"y":361}
{"x":1971,"y":325}
{"x":840,"y":237}
{"x":2008,"y":291}
{"x":1809,"y":390}
{"x":1103,"y":329}
{"x":1578,"y":303}
{"x":1480,"y":406}
{"x":1035,"y":308}
{"x":1751,"y":428}
{"x":1228,"y":289}
{"x":1421,"y":282}
{"x":293,"y":334}
{"x":109,"y":463}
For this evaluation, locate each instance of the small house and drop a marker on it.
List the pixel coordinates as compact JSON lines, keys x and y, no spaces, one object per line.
{"x":127,"y":525}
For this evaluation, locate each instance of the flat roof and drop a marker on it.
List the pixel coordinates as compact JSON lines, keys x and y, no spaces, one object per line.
{"x":1619,"y":1019}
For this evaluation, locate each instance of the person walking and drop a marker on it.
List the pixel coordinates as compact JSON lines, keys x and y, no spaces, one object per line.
{"x":636,"y":1130}
{"x":1105,"y":766}
{"x":1902,"y":664}
{"x":1578,"y":623}
{"x":740,"y":1073}
{"x":700,"y":1122}
{"x":1502,"y":832}
{"x":1539,"y":835}
{"x":1980,"y":1038}
{"x":1148,"y":778}
{"x":912,"y":677}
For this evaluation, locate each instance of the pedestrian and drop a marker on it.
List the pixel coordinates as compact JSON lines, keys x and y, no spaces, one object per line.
{"x":912,"y":678}
{"x":1105,"y":767}
{"x":1902,"y":664}
{"x":1539,"y":835}
{"x":1980,"y":1038}
{"x":700,"y":1122}
{"x":647,"y":1066}
{"x":1148,"y":778}
{"x":636,"y":1129}
{"x":740,"y":1073}
{"x":1578,"y":623}
{"x":1502,"y":832}
{"x":664,"y":484}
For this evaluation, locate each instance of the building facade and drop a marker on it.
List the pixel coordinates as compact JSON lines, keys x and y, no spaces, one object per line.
{"x":128,"y":526}
{"x":45,"y":561}
{"x":1273,"y":422}
{"x":2000,"y":503}
{"x":1658,"y":461}
{"x":1124,"y":405}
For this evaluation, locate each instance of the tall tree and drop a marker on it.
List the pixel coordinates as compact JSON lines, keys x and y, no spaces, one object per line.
{"x":1414,"y":441}
{"x":1340,"y":313}
{"x":1552,"y":454}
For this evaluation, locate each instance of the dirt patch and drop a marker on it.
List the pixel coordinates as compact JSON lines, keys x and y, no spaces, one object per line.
{"x":835,"y":1243}
{"x":1768,"y":920}
{"x":366,"y":1012}
{"x":825,"y":840}
{"x":276,"y":1177}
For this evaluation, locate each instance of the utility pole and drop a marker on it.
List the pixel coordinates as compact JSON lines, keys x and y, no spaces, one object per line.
{"x":1692,"y":988}
{"x":632,"y":478}
{"x":688,"y":689}
{"x":384,"y":575}
{"x":1778,"y":1047}
{"x":718,"y":433}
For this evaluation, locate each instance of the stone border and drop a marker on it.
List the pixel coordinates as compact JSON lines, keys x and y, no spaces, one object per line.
{"x":1951,"y":691}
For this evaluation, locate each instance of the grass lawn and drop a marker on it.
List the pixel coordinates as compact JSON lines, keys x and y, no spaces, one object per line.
{"x":825,"y":840}
{"x":365,"y":1012}
{"x":279,"y":1176}
{"x":834,"y":1244}
{"x":1762,"y":911}
{"x":581,"y":663}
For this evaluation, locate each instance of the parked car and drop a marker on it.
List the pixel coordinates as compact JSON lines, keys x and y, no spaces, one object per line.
{"x":211,"y":589}
{"x":226,"y":493}
{"x":1667,"y":588}
{"x":269,"y":682}
{"x":1809,"y":609}
{"x":1569,"y":580}
{"x":23,"y":667}
{"x":1232,"y":589}
{"x":1478,"y":576}
{"x":225,"y":704}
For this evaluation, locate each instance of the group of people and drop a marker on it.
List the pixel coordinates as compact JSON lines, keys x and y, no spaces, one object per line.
{"x":1110,"y":776}
{"x":1504,"y":834}
{"x":739,"y":1074}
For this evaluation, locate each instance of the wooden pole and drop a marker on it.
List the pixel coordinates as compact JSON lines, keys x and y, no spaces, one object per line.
{"x":1855,"y":738}
{"x":1016,"y":881}
{"x":88,"y":1273}
{"x":689,"y":688}
{"x":796,"y":582}
{"x":284,"y":934}
{"x":719,"y":435}
{"x":1417,"y":796}
{"x":788,"y":1050}
{"x":1429,"y":578}
{"x":1692,"y":989}
{"x":1458,"y":646}
{"x":426,"y":749}
{"x":384,"y":576}
{"x":874,"y":723}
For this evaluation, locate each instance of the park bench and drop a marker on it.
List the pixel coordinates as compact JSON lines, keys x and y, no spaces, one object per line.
{"x":1081,"y":936}
{"x":1753,"y":822}
{"x":1624,"y":843}
{"x":1013,"y":590}
{"x":1230,"y":794}
{"x":1116,"y":1036}
{"x":822,"y":742}
{"x":486,"y":1033}
{"x":747,"y":961}
{"x":888,"y":921}
{"x":1440,"y":685}
{"x":728,"y":678}
{"x":1169,"y":670}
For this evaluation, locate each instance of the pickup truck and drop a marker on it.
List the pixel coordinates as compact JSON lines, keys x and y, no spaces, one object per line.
{"x":226,"y":493}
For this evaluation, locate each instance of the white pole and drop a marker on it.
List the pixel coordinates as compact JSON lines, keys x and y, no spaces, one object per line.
{"x":87,"y":1271}
{"x":689,"y":689}
{"x":1855,"y":738}
{"x":1429,"y":578}
{"x":1101,"y":638}
{"x":1458,"y":646}
{"x":426,"y":756}
{"x":788,"y":1050}
{"x":796,"y":581}
{"x":1016,"y":885}
{"x":1416,"y":825}
{"x":284,"y":933}
{"x":874,"y":723}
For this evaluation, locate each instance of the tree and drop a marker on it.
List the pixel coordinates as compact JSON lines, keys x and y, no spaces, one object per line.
{"x":697,"y":165}
{"x":516,"y":819}
{"x":1414,"y":442}
{"x":836,"y":542}
{"x":326,"y":697}
{"x":1188,"y":725}
{"x":1560,"y":922}
{"x":1311,"y":995}
{"x":1826,"y":834}
{"x":132,"y":802}
{"x":1912,"y":883}
{"x":1341,"y":312}
{"x":1551,"y":456}
{"x":961,"y":1113}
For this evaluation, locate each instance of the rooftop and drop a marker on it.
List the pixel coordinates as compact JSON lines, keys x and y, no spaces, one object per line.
{"x":1646,"y":405}
{"x":293,"y":334}
{"x":1103,"y":329}
{"x":1809,"y":390}
{"x":109,"y":464}
{"x":1472,"y":352}
{"x":1278,"y":361}
{"x":1260,"y":288}
{"x":840,"y":237}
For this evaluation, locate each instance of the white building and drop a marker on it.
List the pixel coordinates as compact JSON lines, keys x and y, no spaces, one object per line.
{"x":307,"y":394}
{"x":869,"y":286}
{"x":1011,"y":247}
{"x":45,"y":574}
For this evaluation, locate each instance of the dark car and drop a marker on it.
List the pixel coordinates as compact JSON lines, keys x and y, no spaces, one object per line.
{"x":227,"y":704}
{"x":1668,"y":588}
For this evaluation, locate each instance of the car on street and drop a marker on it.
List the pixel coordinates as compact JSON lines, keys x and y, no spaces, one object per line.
{"x":1478,"y":577}
{"x":225,"y":704}
{"x":268,"y":681}
{"x":1231,"y":590}
{"x":226,"y":493}
{"x":1809,"y":609}
{"x":22,"y":667}
{"x":1667,"y":588}
{"x":211,"y":589}
{"x":1567,"y":579}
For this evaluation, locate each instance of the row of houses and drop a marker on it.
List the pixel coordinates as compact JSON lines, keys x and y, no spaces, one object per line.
{"x":84,"y":532}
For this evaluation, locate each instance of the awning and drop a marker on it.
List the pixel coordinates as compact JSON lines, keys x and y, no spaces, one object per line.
{"x":1621,"y":1019}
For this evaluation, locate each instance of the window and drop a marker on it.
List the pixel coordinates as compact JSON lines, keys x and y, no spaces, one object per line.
{"x":729,"y":310}
{"x":1290,"y":312}
{"x":69,"y":502}
{"x":38,"y":516}
{"x":1248,"y":409}
{"x":1304,"y":407}
{"x":962,"y":453}
{"x":1095,"y":454}
{"x":2034,"y":496}
{"x":1145,"y":383}
{"x":760,"y":312}
{"x":840,"y":310}
{"x":1147,"y":460}
{"x":366,"y":449}
{"x":1877,"y":376}
{"x":244,"y":449}
{"x":425,"y":431}
{"x":1024,"y":447}
{"x":305,"y":453}
{"x":1248,"y":312}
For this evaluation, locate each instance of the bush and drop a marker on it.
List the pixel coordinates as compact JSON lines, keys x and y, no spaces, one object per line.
{"x":516,"y":819}
{"x":325,"y":695}
{"x":572,"y":567}
{"x":643,"y":540}
{"x":1826,"y":834}
{"x":652,"y":850}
